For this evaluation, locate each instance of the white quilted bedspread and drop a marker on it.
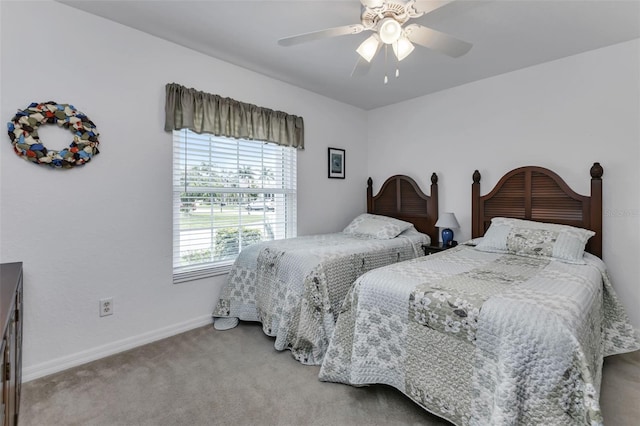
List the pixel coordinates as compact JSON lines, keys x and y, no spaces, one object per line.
{"x":295,"y":287}
{"x":482,"y":338}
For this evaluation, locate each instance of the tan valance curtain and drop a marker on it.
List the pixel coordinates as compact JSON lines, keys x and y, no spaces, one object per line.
{"x":206,"y":113}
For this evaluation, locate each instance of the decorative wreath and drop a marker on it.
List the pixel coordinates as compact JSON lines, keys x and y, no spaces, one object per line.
{"x":23,"y":132}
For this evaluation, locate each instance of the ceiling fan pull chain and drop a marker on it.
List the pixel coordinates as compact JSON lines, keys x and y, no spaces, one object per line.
{"x":386,"y":78}
{"x":397,"y":62}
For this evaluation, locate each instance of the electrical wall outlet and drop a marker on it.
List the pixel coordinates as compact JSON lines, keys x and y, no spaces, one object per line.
{"x":106,"y":306}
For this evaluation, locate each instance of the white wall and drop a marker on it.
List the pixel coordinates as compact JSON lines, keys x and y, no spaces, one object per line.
{"x":105,"y":229}
{"x":563,"y":115}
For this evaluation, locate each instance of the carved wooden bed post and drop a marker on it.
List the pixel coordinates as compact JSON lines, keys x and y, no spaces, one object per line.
{"x":476,"y":219}
{"x":596,"y":208}
{"x":433,"y":205}
{"x":369,"y":194}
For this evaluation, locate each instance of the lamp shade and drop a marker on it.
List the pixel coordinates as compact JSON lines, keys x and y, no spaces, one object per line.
{"x":402,"y":48}
{"x":369,"y":47}
{"x":447,"y":220}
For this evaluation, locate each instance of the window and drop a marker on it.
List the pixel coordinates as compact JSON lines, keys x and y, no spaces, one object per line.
{"x":227,"y":194}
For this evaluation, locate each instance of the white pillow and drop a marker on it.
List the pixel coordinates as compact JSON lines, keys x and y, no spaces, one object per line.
{"x":376,"y":226}
{"x":535,"y":239}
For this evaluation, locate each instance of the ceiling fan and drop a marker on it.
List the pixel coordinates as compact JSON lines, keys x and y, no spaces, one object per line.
{"x":386,"y":19}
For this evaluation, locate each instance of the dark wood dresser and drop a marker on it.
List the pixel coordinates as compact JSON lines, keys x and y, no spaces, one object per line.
{"x":11,"y":349}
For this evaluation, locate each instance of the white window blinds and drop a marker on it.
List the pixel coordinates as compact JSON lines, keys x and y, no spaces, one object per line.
{"x":227,"y":194}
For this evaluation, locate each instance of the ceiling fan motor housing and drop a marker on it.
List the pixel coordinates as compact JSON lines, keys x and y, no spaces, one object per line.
{"x":395,"y":9}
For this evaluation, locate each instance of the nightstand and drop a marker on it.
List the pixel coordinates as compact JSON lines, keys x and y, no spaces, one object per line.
{"x":431,"y":249}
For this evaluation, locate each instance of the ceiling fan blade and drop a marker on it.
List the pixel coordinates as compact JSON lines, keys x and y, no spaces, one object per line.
{"x":361,"y":68}
{"x":436,"y":40}
{"x":317,"y":35}
{"x":426,"y":6}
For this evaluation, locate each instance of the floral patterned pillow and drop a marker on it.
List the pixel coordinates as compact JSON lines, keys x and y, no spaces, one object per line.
{"x":536,"y":239}
{"x":376,"y":226}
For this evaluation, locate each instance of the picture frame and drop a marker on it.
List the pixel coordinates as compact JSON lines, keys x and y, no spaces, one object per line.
{"x":336,"y":163}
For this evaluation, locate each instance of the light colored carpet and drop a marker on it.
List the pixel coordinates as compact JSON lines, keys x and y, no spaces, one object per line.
{"x":236,"y":377}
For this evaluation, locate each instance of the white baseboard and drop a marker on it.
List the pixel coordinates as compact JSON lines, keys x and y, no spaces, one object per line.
{"x":59,"y":364}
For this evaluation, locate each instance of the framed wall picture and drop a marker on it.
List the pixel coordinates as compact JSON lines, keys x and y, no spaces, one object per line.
{"x":336,"y":163}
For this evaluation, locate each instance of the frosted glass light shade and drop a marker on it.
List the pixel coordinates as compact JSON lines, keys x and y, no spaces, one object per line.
{"x":390,"y":30}
{"x":369,"y":48}
{"x":402,"y":48}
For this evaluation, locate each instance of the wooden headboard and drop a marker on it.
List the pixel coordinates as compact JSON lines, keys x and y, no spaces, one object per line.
{"x":401,"y":197}
{"x":536,"y":193}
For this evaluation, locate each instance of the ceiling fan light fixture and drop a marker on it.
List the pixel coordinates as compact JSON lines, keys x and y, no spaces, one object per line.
{"x":402,"y":48}
{"x":369,"y":47}
{"x":390,"y":30}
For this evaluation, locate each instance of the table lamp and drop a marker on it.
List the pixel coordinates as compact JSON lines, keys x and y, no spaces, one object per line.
{"x":447,"y":221}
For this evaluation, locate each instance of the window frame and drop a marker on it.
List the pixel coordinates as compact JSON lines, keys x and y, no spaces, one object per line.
{"x":284,"y":190}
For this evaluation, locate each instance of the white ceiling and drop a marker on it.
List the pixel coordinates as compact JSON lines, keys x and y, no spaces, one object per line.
{"x":506,"y":34}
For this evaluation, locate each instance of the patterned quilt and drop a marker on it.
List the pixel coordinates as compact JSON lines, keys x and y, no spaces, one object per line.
{"x":483,"y":338}
{"x":295,"y":287}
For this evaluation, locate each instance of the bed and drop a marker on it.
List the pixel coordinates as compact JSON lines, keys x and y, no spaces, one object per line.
{"x":508,"y":328}
{"x":295,"y":287}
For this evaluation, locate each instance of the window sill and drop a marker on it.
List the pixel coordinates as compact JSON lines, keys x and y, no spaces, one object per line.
{"x":198,"y":274}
